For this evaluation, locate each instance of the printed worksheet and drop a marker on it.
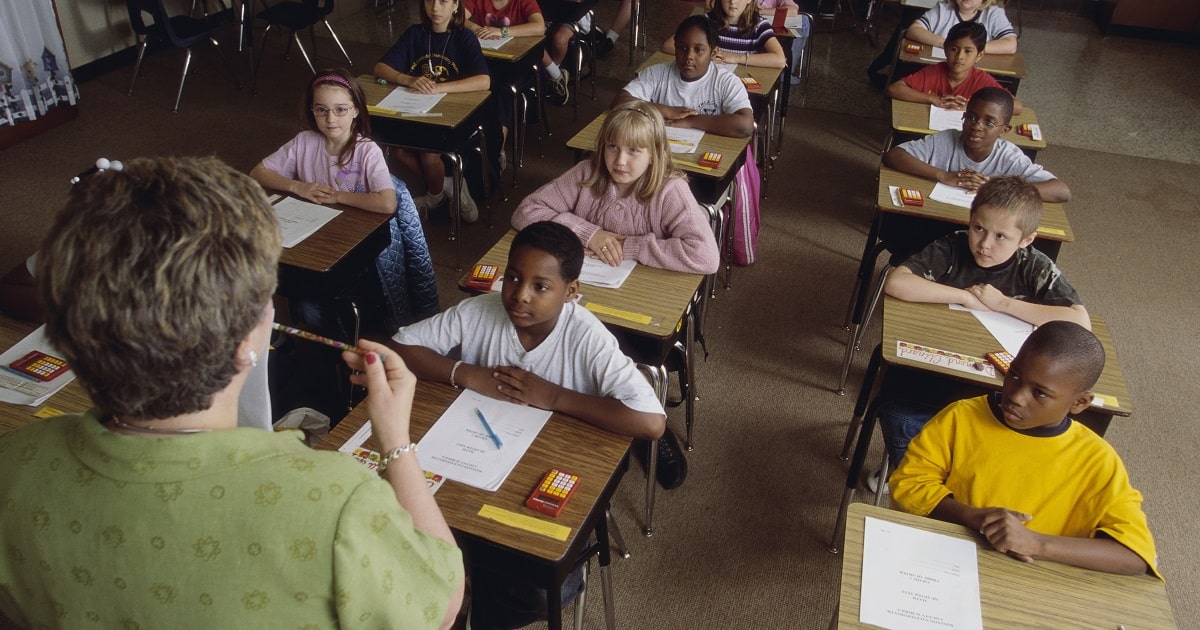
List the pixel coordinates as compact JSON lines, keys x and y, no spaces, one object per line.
{"x":942,"y":119}
{"x":405,"y":102}
{"x":300,"y":219}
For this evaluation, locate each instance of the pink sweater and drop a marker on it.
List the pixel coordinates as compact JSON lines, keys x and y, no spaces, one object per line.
{"x":669,"y":231}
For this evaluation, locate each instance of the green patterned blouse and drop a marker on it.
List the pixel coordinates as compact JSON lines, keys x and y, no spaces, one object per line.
{"x":233,"y":528}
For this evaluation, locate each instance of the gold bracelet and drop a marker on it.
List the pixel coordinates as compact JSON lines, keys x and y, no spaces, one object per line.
{"x":452,"y":371}
{"x":393,"y":454}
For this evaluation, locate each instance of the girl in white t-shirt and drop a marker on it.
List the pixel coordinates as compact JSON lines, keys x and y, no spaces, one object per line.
{"x":932,"y":27}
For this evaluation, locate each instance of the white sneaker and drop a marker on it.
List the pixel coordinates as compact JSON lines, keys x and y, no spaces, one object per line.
{"x":468,"y":210}
{"x":873,"y":482}
{"x":560,"y":91}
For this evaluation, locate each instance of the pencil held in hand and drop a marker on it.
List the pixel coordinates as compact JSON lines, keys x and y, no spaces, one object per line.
{"x":317,"y":338}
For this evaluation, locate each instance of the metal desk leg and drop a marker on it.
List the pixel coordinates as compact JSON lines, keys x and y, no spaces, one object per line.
{"x":635,"y":27}
{"x":618,"y":540}
{"x":581,"y":599}
{"x":610,"y":617}
{"x":864,"y":395}
{"x":690,"y":394}
{"x":860,"y":455}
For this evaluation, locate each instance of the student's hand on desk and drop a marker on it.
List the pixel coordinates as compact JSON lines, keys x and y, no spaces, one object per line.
{"x":672,"y":114}
{"x":989,"y":296}
{"x":526,"y":388}
{"x":423,"y":85}
{"x":606,"y":246}
{"x":1005,"y":530}
{"x":390,"y":387}
{"x":952,"y":102}
{"x":965,"y":178}
{"x":316,"y":193}
{"x":971,"y":301}
{"x":488,"y":32}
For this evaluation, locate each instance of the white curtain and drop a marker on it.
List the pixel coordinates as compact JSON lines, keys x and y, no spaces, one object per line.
{"x":34,"y":74}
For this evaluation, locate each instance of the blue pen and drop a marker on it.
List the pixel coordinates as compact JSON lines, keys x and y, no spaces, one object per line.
{"x":491,"y":433}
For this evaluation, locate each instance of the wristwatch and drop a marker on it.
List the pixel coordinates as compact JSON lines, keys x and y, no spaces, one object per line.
{"x":504,"y":31}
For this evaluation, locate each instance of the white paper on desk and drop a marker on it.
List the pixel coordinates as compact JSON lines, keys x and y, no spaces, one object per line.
{"x":684,"y":140}
{"x":794,"y":21}
{"x":943,"y":119}
{"x":20,"y":390}
{"x":952,"y":195}
{"x":599,"y":273}
{"x":913,"y":579}
{"x":936,"y":54}
{"x":1009,"y":331}
{"x":459,"y":448}
{"x":728,"y":67}
{"x":405,"y":102}
{"x":493,"y":44}
{"x":365,"y":456}
{"x":299,"y":219}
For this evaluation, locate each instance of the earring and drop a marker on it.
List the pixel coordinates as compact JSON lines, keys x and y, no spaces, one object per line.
{"x":253,"y":358}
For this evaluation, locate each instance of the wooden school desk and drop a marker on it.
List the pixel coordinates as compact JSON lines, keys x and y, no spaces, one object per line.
{"x":328,"y":259}
{"x":448,"y":131}
{"x":596,"y":455}
{"x":513,"y":62}
{"x":652,"y":311}
{"x":911,"y":120}
{"x":712,"y":187}
{"x":938,"y":326}
{"x":70,"y":399}
{"x":1016,"y":594}
{"x":1008,"y":69}
{"x":903,"y":230}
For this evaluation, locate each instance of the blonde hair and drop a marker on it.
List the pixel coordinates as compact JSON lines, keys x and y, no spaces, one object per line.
{"x":745,"y":22}
{"x":635,"y":124}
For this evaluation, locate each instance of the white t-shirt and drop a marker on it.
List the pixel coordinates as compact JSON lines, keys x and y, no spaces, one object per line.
{"x":944,"y":150}
{"x":717,"y":92}
{"x":944,"y":15}
{"x":305,"y":159}
{"x":579,"y":354}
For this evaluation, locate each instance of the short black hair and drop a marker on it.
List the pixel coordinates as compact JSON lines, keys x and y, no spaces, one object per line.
{"x":556,"y":240}
{"x":997,"y":96}
{"x":706,"y":26}
{"x":1070,"y":343}
{"x":973,"y":30}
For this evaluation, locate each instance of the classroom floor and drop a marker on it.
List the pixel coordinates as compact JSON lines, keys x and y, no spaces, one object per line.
{"x":742,"y":542}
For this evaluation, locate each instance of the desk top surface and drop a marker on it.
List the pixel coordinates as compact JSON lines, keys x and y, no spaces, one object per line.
{"x":1015,"y":594}
{"x":514,"y":49}
{"x":328,"y":245}
{"x":650,"y":303}
{"x":729,"y":148}
{"x":1054,"y":225}
{"x":1007,"y":65}
{"x":914,"y":118}
{"x":454,"y":108}
{"x":766,"y":77}
{"x":938,"y":326}
{"x":565,"y":443}
{"x":70,"y":399}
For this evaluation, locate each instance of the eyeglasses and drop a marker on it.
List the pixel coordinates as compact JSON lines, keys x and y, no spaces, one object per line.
{"x":969,"y":120}
{"x":339,"y":111}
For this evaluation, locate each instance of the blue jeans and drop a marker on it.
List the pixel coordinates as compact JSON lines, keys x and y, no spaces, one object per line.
{"x":900,"y":421}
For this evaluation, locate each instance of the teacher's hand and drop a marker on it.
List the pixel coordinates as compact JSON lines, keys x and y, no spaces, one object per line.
{"x":390,"y":388}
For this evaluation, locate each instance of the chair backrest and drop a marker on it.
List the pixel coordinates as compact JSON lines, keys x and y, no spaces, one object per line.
{"x":137,"y":19}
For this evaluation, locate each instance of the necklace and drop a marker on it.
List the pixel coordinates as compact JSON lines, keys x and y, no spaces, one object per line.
{"x":133,"y":427}
{"x":517,"y":345}
{"x":429,"y":52}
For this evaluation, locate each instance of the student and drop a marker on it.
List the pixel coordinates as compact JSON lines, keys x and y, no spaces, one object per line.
{"x":620,"y":23}
{"x":437,"y":56}
{"x":1014,"y":467}
{"x":629,"y":201}
{"x":969,"y":157}
{"x":495,"y":19}
{"x":989,"y":267}
{"x":334,"y":161}
{"x":558,"y":40}
{"x":533,"y":344}
{"x":951,"y":83}
{"x":692,"y":92}
{"x":746,"y":37}
{"x":933,"y":27}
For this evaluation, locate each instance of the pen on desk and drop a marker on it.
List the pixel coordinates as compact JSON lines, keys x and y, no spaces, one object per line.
{"x":333,"y":343}
{"x":488,"y":427}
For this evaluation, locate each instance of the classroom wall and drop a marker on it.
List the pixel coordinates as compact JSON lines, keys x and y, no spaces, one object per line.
{"x":1169,"y":15}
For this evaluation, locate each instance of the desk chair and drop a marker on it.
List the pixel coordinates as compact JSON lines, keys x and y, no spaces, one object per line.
{"x":521,"y":93}
{"x":568,"y":13}
{"x":179,"y":31}
{"x":296,"y":15}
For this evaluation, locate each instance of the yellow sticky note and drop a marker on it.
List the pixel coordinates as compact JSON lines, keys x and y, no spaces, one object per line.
{"x":1055,"y":231}
{"x":47,"y":412}
{"x":527,"y":523}
{"x":375,"y":109}
{"x":601,"y":309}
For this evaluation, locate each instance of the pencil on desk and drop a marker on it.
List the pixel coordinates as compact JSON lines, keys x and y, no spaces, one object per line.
{"x":333,"y":343}
{"x":692,"y":164}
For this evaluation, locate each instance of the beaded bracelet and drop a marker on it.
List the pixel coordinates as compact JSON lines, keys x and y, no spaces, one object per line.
{"x":453,"y":370}
{"x":393,"y":454}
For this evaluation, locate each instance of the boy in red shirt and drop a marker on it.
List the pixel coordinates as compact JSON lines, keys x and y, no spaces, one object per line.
{"x":951,"y":83}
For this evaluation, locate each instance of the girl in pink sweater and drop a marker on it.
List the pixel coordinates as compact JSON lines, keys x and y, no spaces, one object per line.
{"x":629,"y":201}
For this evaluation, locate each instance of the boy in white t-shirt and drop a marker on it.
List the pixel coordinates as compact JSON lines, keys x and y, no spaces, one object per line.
{"x":693,"y":92}
{"x":533,"y":344}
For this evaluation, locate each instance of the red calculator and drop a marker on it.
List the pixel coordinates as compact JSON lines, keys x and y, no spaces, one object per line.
{"x":551,"y":495}
{"x":710,"y":159}
{"x":39,"y":365}
{"x":1002,"y":360}
{"x":482,"y":277}
{"x":911,"y":197}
